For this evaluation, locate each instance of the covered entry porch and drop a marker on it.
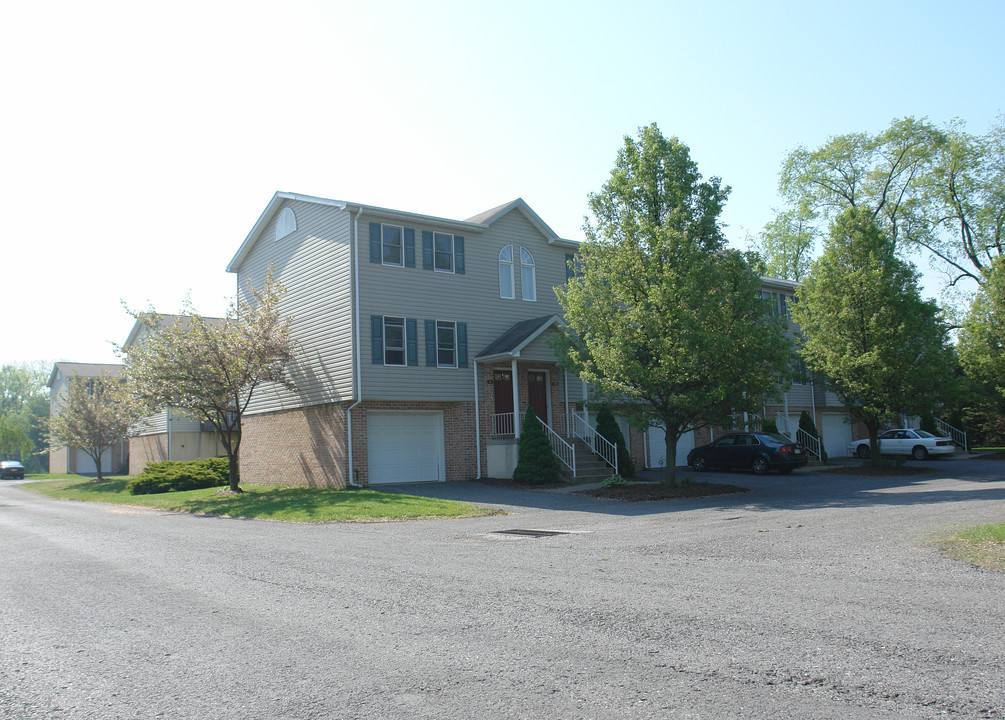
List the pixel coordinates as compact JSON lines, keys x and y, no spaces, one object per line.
{"x":517,"y":371}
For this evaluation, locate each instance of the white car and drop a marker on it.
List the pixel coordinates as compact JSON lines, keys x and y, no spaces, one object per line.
{"x":904,"y":441}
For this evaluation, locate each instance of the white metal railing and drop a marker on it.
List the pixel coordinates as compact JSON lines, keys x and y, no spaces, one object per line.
{"x":603,"y":447}
{"x":563,"y":450}
{"x":796,"y":433}
{"x":958,"y":436}
{"x":503,"y":424}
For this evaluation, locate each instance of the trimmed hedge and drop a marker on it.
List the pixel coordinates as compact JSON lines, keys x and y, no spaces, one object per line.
{"x":174,"y":476}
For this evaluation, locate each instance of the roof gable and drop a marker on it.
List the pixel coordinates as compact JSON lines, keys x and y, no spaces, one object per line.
{"x":518,"y":336}
{"x":482,"y":221}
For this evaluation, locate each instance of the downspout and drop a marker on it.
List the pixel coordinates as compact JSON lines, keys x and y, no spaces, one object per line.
{"x":169,"y":412}
{"x":478,"y":425}
{"x":357,"y":380}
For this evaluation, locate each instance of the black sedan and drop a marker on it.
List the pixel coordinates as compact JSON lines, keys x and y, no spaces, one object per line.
{"x":760,"y":452}
{"x":11,"y":469}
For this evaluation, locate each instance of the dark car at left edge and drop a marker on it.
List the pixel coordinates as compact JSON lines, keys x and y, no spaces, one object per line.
{"x":11,"y":470}
{"x":757,"y":451}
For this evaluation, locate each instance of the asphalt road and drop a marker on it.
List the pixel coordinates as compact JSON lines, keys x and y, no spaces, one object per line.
{"x":815,"y":596}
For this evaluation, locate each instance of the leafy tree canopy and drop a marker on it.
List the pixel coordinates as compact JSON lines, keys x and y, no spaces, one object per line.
{"x":865,"y":327}
{"x":982,"y":338}
{"x":93,"y":414}
{"x":924,"y":187}
{"x":211,"y":367}
{"x":662,"y":319}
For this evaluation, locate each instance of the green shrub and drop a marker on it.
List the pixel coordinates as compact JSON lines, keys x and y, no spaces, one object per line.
{"x":174,"y":476}
{"x":535,"y":462}
{"x":614,"y":481}
{"x":608,"y":427}
{"x":769,"y":426}
{"x":807,"y":425}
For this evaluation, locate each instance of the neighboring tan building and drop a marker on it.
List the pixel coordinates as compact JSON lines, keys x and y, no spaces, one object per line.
{"x":115,"y":460}
{"x":169,"y":434}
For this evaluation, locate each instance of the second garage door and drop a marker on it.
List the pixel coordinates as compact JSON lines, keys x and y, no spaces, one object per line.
{"x":405,"y":446}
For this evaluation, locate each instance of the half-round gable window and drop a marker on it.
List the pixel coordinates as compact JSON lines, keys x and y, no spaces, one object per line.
{"x":286,"y":223}
{"x":528,"y":279}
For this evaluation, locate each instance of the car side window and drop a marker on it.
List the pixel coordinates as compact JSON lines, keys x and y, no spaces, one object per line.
{"x":725,"y":442}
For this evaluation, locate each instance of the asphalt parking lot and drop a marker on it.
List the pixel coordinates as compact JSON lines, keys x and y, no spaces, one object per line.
{"x":813,"y":596}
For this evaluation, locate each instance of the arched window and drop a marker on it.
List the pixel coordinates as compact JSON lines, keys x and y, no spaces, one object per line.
{"x":285,"y":224}
{"x":528,"y":280}
{"x":506,"y":273}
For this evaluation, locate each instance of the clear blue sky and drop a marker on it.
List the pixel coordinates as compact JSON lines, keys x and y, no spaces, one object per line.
{"x":141,"y":141}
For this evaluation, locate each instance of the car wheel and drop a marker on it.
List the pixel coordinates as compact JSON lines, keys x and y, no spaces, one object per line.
{"x":761,"y":466}
{"x":698,"y":463}
{"x":863,"y":451}
{"x":919,"y":453}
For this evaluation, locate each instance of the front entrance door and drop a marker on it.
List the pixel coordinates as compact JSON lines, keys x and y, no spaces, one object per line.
{"x":537,"y":393}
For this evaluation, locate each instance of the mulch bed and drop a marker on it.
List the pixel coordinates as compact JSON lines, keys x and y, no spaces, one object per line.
{"x":639,"y":492}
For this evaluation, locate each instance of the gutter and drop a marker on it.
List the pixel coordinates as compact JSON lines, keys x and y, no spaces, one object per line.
{"x":357,"y":379}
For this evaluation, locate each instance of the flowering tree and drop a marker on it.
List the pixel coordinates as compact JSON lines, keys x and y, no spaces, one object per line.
{"x":93,"y":414}
{"x":210,"y":367}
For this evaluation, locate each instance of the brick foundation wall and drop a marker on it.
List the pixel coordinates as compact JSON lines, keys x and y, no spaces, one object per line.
{"x":57,"y":461}
{"x":304,"y":446}
{"x":146,"y":449}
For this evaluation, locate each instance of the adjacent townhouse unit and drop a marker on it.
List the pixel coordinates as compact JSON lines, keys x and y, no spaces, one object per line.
{"x":169,"y":434}
{"x":74,"y":460}
{"x":422,"y":340}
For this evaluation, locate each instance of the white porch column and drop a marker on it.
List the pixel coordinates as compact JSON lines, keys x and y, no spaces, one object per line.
{"x":516,"y":401}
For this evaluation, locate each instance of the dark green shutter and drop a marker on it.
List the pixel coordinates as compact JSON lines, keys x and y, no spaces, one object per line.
{"x":430,"y":343}
{"x":462,"y":345}
{"x":412,"y":341}
{"x":377,"y":339}
{"x":569,"y":268}
{"x":427,"y":250}
{"x":458,"y":254}
{"x":375,"y":242}
{"x":409,"y":247}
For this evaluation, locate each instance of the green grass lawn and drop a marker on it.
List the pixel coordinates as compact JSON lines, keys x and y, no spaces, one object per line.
{"x":268,"y":502}
{"x":983,"y":545}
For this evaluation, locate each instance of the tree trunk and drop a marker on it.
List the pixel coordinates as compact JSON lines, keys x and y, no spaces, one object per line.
{"x":670,"y":438}
{"x":873,"y":429}
{"x":97,"y":465}
{"x":234,"y":474}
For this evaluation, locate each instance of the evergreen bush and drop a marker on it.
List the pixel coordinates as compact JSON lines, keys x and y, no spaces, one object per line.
{"x":608,"y":427}
{"x":535,"y":463}
{"x":807,"y":425}
{"x":174,"y":476}
{"x":769,"y":426}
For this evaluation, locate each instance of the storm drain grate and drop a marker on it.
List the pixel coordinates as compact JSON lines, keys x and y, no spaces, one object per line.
{"x":531,"y":533}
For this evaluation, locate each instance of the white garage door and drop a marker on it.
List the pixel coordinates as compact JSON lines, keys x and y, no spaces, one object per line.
{"x":657,"y":447}
{"x":836,"y":434}
{"x":405,"y":447}
{"x":85,"y":463}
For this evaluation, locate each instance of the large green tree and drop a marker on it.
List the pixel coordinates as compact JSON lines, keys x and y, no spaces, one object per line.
{"x":982,"y":338}
{"x":93,"y":414}
{"x":24,"y":408}
{"x":942,"y":189}
{"x":210,"y":368}
{"x":865,"y":327}
{"x":662,"y":318}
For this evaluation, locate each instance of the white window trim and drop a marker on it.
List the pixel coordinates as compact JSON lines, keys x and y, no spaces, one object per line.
{"x":453,"y":255}
{"x":437,"y":329}
{"x":512,"y":279}
{"x":404,"y":340}
{"x":286,"y":223}
{"x":532,"y":266}
{"x":401,"y":247}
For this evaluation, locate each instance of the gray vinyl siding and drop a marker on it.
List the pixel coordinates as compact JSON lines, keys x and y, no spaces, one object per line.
{"x":471,"y":298}
{"x":314,"y":264}
{"x":152,"y":424}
